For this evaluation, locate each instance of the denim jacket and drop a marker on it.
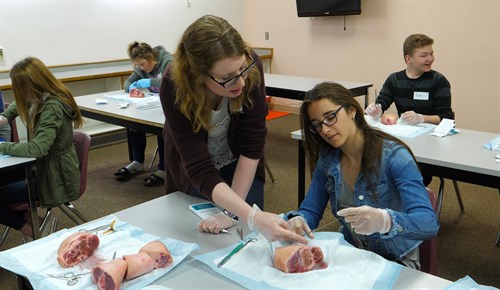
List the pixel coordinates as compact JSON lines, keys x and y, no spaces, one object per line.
{"x":399,"y":189}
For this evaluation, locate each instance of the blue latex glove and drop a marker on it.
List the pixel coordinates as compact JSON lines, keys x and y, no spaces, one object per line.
{"x":140,"y":84}
{"x":132,"y":86}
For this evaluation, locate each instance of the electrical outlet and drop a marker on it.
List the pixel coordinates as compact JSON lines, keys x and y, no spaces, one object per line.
{"x":1,"y":54}
{"x":266,"y":35}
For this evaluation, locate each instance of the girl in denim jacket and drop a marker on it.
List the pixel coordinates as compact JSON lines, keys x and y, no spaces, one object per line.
{"x":370,"y":178}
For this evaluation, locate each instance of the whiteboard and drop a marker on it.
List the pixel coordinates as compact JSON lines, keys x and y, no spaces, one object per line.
{"x":78,"y":31}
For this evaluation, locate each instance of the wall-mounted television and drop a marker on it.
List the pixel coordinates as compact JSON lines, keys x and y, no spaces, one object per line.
{"x":313,"y":8}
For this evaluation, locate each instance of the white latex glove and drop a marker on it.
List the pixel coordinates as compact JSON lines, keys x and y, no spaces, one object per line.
{"x":298,"y":225}
{"x":271,"y":226}
{"x":412,"y":118}
{"x":374,"y":110}
{"x":216,"y":223}
{"x":3,"y":121}
{"x":366,"y":220}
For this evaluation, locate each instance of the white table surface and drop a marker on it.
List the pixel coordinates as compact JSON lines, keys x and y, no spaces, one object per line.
{"x":169,"y":216}
{"x":13,"y":162}
{"x":304,"y":84}
{"x":463,"y":151}
{"x":154,"y":117}
{"x":151,"y":116}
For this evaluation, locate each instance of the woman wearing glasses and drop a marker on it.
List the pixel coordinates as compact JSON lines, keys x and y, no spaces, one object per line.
{"x":213,"y":97}
{"x":370,"y":178}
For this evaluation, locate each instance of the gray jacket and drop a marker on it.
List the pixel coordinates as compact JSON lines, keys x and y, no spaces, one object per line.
{"x":164,"y":57}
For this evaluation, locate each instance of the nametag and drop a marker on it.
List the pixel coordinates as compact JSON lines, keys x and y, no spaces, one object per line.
{"x":421,"y":96}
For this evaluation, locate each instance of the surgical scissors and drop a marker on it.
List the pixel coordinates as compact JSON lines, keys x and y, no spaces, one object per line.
{"x":70,"y":277}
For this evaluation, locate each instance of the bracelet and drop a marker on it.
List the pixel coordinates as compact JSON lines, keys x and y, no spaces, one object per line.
{"x":230,"y":215}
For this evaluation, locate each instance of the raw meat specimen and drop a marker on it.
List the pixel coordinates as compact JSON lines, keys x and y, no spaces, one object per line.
{"x":159,"y":252}
{"x":109,"y":275}
{"x":299,"y":259}
{"x":389,"y":119}
{"x":318,"y":258}
{"x":76,"y":248}
{"x":138,"y":264}
{"x":135,"y":93}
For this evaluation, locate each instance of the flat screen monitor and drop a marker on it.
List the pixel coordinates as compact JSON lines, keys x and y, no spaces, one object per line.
{"x":312,"y":8}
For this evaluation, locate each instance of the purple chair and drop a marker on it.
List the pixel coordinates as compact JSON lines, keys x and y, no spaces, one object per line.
{"x":81,"y":141}
{"x":82,"y":146}
{"x":428,"y":248}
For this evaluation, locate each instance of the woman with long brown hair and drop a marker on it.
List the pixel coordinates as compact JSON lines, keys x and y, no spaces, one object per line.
{"x":371,"y":179}
{"x":213,"y":97}
{"x":50,"y":112}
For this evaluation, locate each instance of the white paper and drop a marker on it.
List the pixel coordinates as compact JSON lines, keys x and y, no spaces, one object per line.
{"x":444,"y":128}
{"x":2,"y":156}
{"x":348,"y":267}
{"x":125,"y":240}
{"x":101,"y":101}
{"x":148,"y":104}
{"x":401,"y":129}
{"x":122,"y":96}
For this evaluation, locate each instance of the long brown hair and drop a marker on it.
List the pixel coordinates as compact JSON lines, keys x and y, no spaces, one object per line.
{"x":206,"y":41}
{"x":373,"y":138}
{"x":142,"y":50}
{"x":31,"y":80}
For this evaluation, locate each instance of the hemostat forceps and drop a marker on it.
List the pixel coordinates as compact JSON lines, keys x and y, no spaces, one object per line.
{"x":238,"y":248}
{"x":71,"y":277}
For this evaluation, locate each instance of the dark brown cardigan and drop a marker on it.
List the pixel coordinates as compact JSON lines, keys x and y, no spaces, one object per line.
{"x":188,"y":162}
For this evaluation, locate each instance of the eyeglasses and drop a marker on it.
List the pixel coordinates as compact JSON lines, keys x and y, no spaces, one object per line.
{"x":328,"y":120}
{"x":231,"y":81}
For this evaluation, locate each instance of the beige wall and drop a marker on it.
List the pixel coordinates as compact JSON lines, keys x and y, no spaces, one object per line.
{"x":467,"y":49}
